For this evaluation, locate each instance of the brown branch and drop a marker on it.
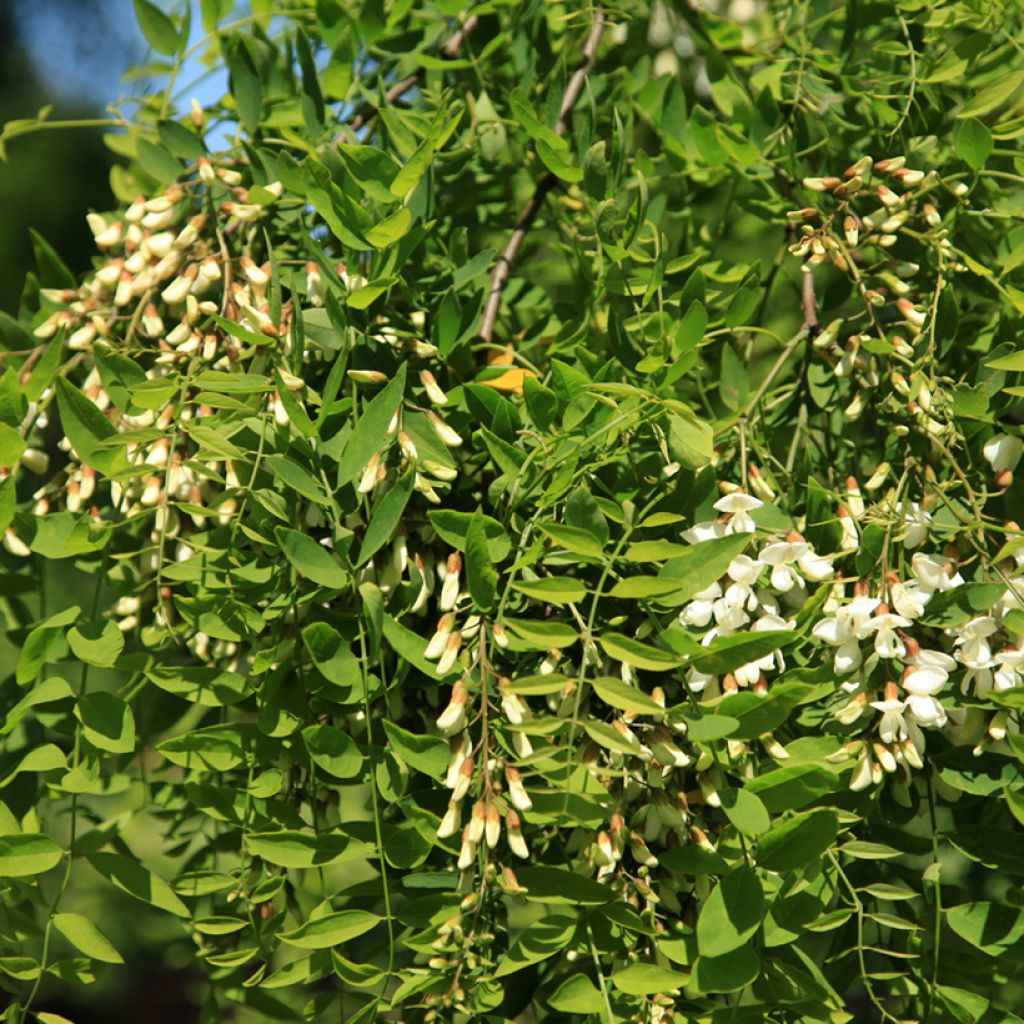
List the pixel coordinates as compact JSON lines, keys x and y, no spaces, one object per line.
{"x":449,"y":51}
{"x":809,"y":302}
{"x":502,"y":269}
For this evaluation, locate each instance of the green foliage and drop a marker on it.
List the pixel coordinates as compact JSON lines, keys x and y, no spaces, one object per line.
{"x":531,"y":532}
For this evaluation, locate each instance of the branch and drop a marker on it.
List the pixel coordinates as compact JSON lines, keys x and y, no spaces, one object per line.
{"x":502,"y":269}
{"x":449,"y":51}
{"x":809,"y":302}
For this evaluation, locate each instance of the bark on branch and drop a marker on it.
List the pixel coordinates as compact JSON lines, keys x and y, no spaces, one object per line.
{"x":449,"y":51}
{"x":503,"y":267}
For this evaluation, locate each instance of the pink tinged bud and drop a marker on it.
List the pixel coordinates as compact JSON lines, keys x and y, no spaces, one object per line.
{"x":408,"y":446}
{"x":206,"y":172}
{"x":443,"y":431}
{"x":910,"y":754}
{"x":707,"y":788}
{"x":368,"y":376}
{"x":368,"y":480}
{"x":450,"y":586}
{"x":492,"y":828}
{"x":432,"y":388}
{"x":451,"y":821}
{"x":15,"y":545}
{"x":862,"y":774}
{"x":453,"y":718}
{"x":931,"y":215}
{"x":465,"y":778}
{"x":477,"y":822}
{"x":458,"y":752}
{"x":438,"y":642}
{"x":468,"y":852}
{"x":256,"y":276}
{"x":517,"y":794}
{"x":451,"y":653}
{"x":499,"y":635}
{"x":641,"y":851}
{"x":513,"y":831}
{"x":83,"y":338}
{"x":887,"y":197}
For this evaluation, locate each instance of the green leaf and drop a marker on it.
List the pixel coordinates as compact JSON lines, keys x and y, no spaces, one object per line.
{"x":621,"y":695}
{"x":557,"y":590}
{"x":246,"y":87}
{"x":730,"y":972}
{"x":1014,"y":361}
{"x":746,"y":812}
{"x":86,"y":937}
{"x":556,"y":160}
{"x":992,"y":96}
{"x":390,"y":229}
{"x":990,"y":927}
{"x":480,"y":574}
{"x":131,"y":877}
{"x":427,"y":754}
{"x":333,"y":751}
{"x":577,"y":994}
{"x":728,"y":653}
{"x":638,"y":654}
{"x":27,"y":853}
{"x":543,"y":636}
{"x":311,"y":560}
{"x":800,"y":840}
{"x":572,"y":538}
{"x":559,"y":885}
{"x":973,"y":142}
{"x":385,"y":518}
{"x":107,"y":722}
{"x":332,"y":655}
{"x":793,"y":786}
{"x":86,"y":427}
{"x":711,"y":727}
{"x":996,"y":848}
{"x":701,"y":565}
{"x":96,"y":643}
{"x":648,"y":980}
{"x":370,"y":433}
{"x":731,"y":914}
{"x":541,"y":939}
{"x":158,"y":29}
{"x":292,"y":849}
{"x":452,"y":527}
{"x":331,"y":930}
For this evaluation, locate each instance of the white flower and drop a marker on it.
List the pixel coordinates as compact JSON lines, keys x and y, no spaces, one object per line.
{"x":711,"y":530}
{"x":909,"y":599}
{"x":891,"y":728}
{"x":916,"y":521}
{"x":781,"y":556}
{"x":972,"y":639}
{"x":699,"y":611}
{"x":1003,"y":452}
{"x":697,"y":681}
{"x":738,"y":507}
{"x":887,"y":641}
{"x":747,"y":675}
{"x":1011,"y":668}
{"x":849,"y":625}
{"x":744,"y":570}
{"x":935,"y":573}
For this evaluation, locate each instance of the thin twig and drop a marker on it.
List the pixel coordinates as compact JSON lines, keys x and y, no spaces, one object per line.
{"x":502,"y":269}
{"x":449,"y":51}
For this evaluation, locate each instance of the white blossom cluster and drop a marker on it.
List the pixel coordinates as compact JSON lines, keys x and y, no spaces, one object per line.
{"x":892,"y":666}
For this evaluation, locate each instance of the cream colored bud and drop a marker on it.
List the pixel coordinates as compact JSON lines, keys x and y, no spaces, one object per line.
{"x":443,"y":431}
{"x":448,"y":658}
{"x":433,"y":389}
